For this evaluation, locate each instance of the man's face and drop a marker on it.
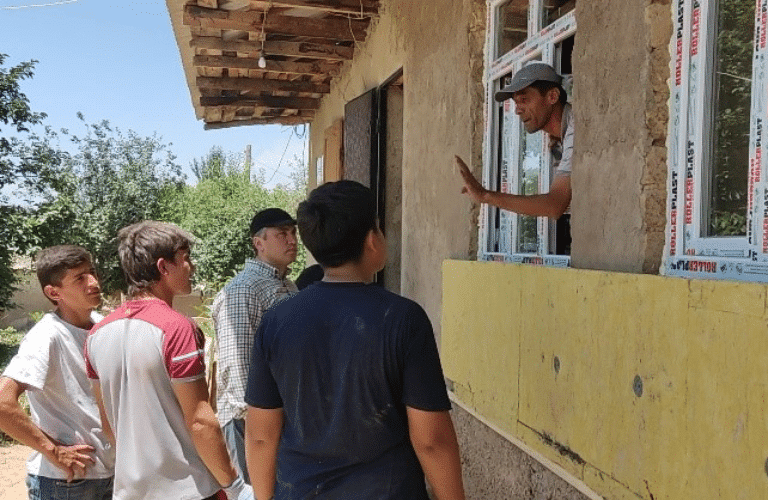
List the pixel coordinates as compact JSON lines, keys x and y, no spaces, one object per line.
{"x":180,"y":272}
{"x":79,"y":289}
{"x":277,"y":245}
{"x":533,"y":108}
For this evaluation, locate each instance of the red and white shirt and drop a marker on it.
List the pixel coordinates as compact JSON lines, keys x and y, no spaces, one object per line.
{"x":136,"y":354}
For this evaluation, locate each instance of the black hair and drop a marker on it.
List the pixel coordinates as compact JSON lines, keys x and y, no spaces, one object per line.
{"x":334,"y":221}
{"x":52,"y":263}
{"x":309,"y":275}
{"x":544,"y":86}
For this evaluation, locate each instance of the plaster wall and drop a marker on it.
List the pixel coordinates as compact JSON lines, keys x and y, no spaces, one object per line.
{"x":638,"y":386}
{"x":375,"y":60}
{"x":439,"y":45}
{"x":621,"y":67}
{"x":393,"y":189}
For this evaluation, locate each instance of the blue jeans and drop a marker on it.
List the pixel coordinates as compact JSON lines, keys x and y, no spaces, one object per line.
{"x":45,"y":488}
{"x":234,"y":436}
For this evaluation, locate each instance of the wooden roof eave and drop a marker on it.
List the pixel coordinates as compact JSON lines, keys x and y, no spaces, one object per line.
{"x":219,"y":50}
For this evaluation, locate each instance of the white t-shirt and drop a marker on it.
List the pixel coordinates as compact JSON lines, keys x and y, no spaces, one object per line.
{"x":50,"y":361}
{"x":136,"y":354}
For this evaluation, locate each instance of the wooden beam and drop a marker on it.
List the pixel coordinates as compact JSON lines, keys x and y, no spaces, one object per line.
{"x":294,"y":68}
{"x":347,"y":7}
{"x":290,"y":49}
{"x":261,"y":85}
{"x":335,"y":29}
{"x":279,"y":120}
{"x":263,"y":102}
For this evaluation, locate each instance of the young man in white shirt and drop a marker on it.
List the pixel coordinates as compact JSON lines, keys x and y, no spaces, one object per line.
{"x":73,"y":457}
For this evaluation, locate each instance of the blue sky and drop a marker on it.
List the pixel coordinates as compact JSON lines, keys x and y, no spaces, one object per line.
{"x":118,"y":60}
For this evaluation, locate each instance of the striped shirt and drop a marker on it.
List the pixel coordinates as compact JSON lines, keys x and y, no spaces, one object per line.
{"x":237,"y":311}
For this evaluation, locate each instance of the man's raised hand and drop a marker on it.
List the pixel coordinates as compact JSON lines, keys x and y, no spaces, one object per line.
{"x":471,"y":186}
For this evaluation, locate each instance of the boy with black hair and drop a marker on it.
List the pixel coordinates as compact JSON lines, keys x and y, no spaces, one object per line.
{"x":148,"y":372}
{"x":346,"y":394}
{"x":65,"y":427}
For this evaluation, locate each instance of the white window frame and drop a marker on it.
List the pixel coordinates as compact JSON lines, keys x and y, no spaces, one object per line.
{"x":687,"y":254}
{"x":542,"y":43}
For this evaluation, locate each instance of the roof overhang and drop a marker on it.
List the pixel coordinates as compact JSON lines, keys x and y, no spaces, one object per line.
{"x":304,"y":44}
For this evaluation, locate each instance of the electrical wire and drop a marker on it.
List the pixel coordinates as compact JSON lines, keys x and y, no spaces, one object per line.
{"x":51,"y":4}
{"x":279,"y":164}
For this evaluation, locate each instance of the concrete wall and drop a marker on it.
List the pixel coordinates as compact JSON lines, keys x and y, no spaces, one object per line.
{"x":621,"y":67}
{"x":28,"y":298}
{"x":639,"y":386}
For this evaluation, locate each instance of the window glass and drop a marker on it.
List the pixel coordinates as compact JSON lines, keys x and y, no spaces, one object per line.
{"x":530,"y":166}
{"x":728,"y":180}
{"x":555,"y":9}
{"x":513,"y":25}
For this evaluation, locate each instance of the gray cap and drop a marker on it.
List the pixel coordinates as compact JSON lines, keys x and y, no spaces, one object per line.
{"x":533,"y":72}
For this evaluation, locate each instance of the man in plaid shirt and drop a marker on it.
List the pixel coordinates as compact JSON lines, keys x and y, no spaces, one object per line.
{"x":237,"y":312}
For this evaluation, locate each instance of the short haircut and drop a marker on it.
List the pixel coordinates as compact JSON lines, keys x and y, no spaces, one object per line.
{"x":334,"y":221}
{"x":52,"y":263}
{"x":141,"y":245}
{"x":544,"y":86}
{"x":309,"y":275}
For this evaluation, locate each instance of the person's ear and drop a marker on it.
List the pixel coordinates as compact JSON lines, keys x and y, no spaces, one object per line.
{"x":257,"y":244}
{"x":553,"y":95}
{"x":52,"y":293}
{"x":370,"y":240}
{"x":162,"y":266}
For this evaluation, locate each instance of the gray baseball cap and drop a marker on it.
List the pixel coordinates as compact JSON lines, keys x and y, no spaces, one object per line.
{"x":533,"y":72}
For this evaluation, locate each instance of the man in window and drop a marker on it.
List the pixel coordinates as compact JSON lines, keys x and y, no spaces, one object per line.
{"x":541,"y":103}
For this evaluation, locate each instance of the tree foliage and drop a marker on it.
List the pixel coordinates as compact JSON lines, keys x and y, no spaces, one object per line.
{"x":15,"y":111}
{"x":16,"y":118}
{"x":218,"y":211}
{"x":110,"y":180}
{"x":81,"y":189}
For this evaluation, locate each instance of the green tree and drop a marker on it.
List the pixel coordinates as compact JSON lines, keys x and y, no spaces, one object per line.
{"x":218,"y":210}
{"x":111,"y":180}
{"x":17,"y":118}
{"x":15,"y":111}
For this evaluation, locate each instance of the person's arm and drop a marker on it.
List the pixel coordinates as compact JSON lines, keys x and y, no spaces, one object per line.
{"x":72,"y":459}
{"x":204,"y":429}
{"x":434,"y":440}
{"x":552,"y":204}
{"x":96,"y":390}
{"x":263,"y":428}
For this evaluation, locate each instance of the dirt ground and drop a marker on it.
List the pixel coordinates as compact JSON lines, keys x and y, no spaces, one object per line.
{"x":13,"y":472}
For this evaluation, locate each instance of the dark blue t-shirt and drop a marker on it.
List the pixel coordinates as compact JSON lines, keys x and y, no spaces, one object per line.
{"x":343,"y":360}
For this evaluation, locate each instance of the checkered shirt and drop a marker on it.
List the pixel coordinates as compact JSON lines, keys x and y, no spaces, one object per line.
{"x":237,"y":312}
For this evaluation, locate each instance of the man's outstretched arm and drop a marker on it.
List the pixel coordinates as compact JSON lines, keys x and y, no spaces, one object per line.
{"x":14,"y":421}
{"x":434,"y":440}
{"x":552,"y":204}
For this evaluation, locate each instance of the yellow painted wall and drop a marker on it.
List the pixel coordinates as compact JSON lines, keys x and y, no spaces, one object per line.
{"x":700,"y":428}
